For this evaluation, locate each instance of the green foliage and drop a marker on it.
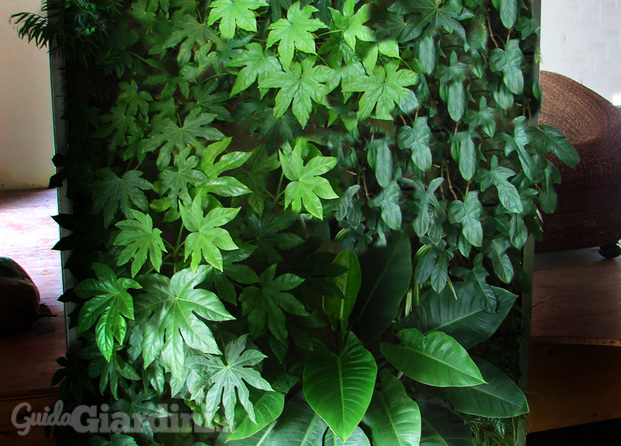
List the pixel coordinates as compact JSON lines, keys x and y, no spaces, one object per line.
{"x":277,"y":202}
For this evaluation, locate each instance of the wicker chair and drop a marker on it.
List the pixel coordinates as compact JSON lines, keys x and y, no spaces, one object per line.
{"x":588,"y":213}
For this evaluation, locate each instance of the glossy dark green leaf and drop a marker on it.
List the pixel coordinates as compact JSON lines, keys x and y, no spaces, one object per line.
{"x":548,"y":139}
{"x":386,"y":273}
{"x":267,"y":406}
{"x":339,"y":387}
{"x":508,"y":12}
{"x":299,"y":425}
{"x":416,"y":139}
{"x":499,"y":397}
{"x":468,"y":214}
{"x":357,"y":438}
{"x":509,"y":62}
{"x":435,"y":359}
{"x":338,"y":308}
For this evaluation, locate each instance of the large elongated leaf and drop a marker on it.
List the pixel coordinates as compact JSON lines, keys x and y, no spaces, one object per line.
{"x":436,"y":359}
{"x":548,"y":139}
{"x":465,"y":318}
{"x":339,"y":387}
{"x":439,"y":417}
{"x":339,"y":308}
{"x":299,"y":425}
{"x":357,"y":438}
{"x":393,"y":417}
{"x":499,"y":397}
{"x":267,"y":407}
{"x":386,"y":274}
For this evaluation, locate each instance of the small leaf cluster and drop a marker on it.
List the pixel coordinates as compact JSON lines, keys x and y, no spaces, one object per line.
{"x":298,"y":219}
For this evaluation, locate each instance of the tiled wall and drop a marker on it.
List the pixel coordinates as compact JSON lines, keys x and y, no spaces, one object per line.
{"x":582,"y":40}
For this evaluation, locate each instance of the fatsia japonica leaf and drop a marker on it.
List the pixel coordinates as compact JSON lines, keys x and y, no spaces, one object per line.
{"x":436,"y":14}
{"x":295,"y":32}
{"x":169,"y":135}
{"x":352,"y":24}
{"x":234,"y":14}
{"x":206,"y":237}
{"x":173,"y":309}
{"x":255,"y":65}
{"x":307,"y":186}
{"x":177,"y":180}
{"x":339,"y":387}
{"x":227,"y":379}
{"x":393,"y":417}
{"x":113,"y":193}
{"x":264,"y":305}
{"x":435,"y":359}
{"x":225,"y":186}
{"x":383,"y":90}
{"x":140,"y":239}
{"x":109,"y":304}
{"x":190,"y":33}
{"x":299,"y":86}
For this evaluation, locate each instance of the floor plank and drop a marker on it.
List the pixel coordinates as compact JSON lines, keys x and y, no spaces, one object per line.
{"x":27,"y":235}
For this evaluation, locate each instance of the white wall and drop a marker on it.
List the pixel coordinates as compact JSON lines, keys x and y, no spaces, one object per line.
{"x":26,"y":137}
{"x":582,"y":40}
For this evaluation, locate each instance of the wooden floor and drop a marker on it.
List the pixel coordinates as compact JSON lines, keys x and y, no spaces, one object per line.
{"x":28,"y":359}
{"x":575,"y":359}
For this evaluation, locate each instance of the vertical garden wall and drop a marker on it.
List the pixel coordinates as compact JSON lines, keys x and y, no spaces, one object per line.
{"x":299,"y":221}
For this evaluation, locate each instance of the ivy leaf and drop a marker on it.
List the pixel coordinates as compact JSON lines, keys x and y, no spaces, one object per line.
{"x":468,"y":214}
{"x":168,"y":136}
{"x":140,"y":239}
{"x":299,"y":84}
{"x":234,"y":14}
{"x":112,"y":193}
{"x":464,"y":151}
{"x":109,"y":304}
{"x":228,"y":380}
{"x":383,"y":90}
{"x":207,"y":238}
{"x":509,"y":62}
{"x":507,"y":192}
{"x":175,"y":182}
{"x":174,"y":310}
{"x":256,"y":65}
{"x":548,"y":139}
{"x":352,"y":25}
{"x":307,"y":186}
{"x":265,"y":305}
{"x":416,"y":139}
{"x":295,"y":32}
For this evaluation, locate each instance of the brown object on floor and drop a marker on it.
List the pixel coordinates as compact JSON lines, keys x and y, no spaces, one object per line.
{"x":589,"y":197}
{"x":575,"y":358}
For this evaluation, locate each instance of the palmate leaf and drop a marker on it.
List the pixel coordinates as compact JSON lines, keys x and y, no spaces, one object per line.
{"x":255,"y":65}
{"x":234,"y":14}
{"x":188,"y":32}
{"x":225,"y":186}
{"x":352,"y":25}
{"x":228,"y":379}
{"x":339,"y":387}
{"x":140,"y":239}
{"x":109,"y":305}
{"x":173,"y":308}
{"x":113,"y":193}
{"x":295,"y":32}
{"x":394,"y":419}
{"x":141,"y":406}
{"x":176,"y":181}
{"x":299,"y":85}
{"x":265,"y":305}
{"x":383,"y":91}
{"x":435,"y":14}
{"x":206,"y":237}
{"x":306,"y":186}
{"x":435,"y":359}
{"x":168,"y":135}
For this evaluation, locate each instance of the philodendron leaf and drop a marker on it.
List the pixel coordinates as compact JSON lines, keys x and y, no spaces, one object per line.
{"x":357,"y":438}
{"x":430,"y":436}
{"x":464,"y":318}
{"x":416,"y":139}
{"x":548,"y":139}
{"x":440,"y":418}
{"x":259,"y":438}
{"x":386,"y":274}
{"x":435,"y":359}
{"x":339,"y":308}
{"x":339,"y":387}
{"x":299,"y":425}
{"x":393,"y":417}
{"x":267,"y":407}
{"x":499,"y":397}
